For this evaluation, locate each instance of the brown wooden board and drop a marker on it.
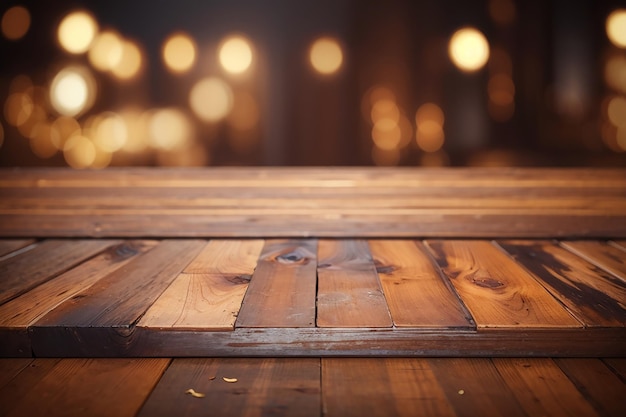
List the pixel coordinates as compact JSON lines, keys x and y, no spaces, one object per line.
{"x":314,"y":202}
{"x":542,"y":388}
{"x":382,"y":387}
{"x":597,"y":383}
{"x":267,"y":387}
{"x":11,"y":245}
{"x":414,"y":289}
{"x":349,"y":293}
{"x":209,"y":292}
{"x":593,"y":295}
{"x":601,"y":254}
{"x":282,"y":290}
{"x":498,"y":292}
{"x":474,"y":387}
{"x":18,"y":314}
{"x":49,"y":258}
{"x":112,"y":306}
{"x":87,"y":387}
{"x":9,"y":368}
{"x":18,"y":387}
{"x":617,"y":365}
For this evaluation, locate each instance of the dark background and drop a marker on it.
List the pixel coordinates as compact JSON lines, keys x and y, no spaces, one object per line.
{"x":306,"y":119}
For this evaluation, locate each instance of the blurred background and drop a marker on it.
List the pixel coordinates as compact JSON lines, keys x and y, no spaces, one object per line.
{"x":91,"y":84}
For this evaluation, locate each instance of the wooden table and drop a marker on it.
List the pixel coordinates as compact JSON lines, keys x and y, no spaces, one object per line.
{"x":433,"y":279}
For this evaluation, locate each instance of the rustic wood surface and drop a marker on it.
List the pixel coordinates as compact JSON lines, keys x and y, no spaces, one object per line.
{"x":341,"y":387}
{"x":349,"y":293}
{"x":313,"y":202}
{"x":602,"y":254}
{"x":309,"y":297}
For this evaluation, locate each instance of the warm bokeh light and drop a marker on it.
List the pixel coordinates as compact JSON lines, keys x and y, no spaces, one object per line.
{"x":501,"y":89}
{"x":326,"y":55}
{"x":41,"y":140}
{"x":245,"y":112}
{"x":63,"y":128}
{"x":615,"y":72}
{"x":106,"y":51}
{"x":17,"y":108}
{"x":109,"y":132}
{"x":429,"y":119}
{"x":616,"y":28}
{"x":77,"y":31}
{"x":616,"y":111}
{"x":15,"y":22}
{"x":468,"y":49}
{"x":235,"y":54}
{"x":129,"y":63}
{"x":136,"y":122}
{"x":386,"y":134}
{"x":169,"y":129}
{"x":79,"y":152}
{"x":372,"y":96}
{"x":179,"y":52}
{"x":72,"y":91}
{"x":211,"y":99}
{"x":384,"y":157}
{"x":385,"y":108}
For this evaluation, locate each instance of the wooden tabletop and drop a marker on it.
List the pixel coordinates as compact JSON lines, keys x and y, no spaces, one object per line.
{"x":313,"y":202}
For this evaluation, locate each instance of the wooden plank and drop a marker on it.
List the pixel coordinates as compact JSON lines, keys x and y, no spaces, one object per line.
{"x":600,"y":387}
{"x":594,"y":296}
{"x":209,"y":292}
{"x":314,"y":202}
{"x":111,"y":307}
{"x":349,"y":293}
{"x":474,"y":387}
{"x":25,"y":271}
{"x":498,"y":292}
{"x":289,"y":387}
{"x":19,"y":387}
{"x":282,"y":290}
{"x":381,"y":387}
{"x":617,"y":365}
{"x":89,"y":387}
{"x":414,"y":289}
{"x":601,"y":254}
{"x":542,"y":389}
{"x":11,"y":245}
{"x":19,"y":313}
{"x":9,"y":368}
{"x":620,"y":244}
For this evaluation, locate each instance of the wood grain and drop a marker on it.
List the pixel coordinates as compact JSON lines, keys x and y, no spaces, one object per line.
{"x":209,"y":293}
{"x":282,"y":290}
{"x":414,"y":289}
{"x":597,"y":383}
{"x":25,"y":271}
{"x":601,"y":254}
{"x":498,"y":292}
{"x":117,"y":301}
{"x":382,"y":387}
{"x":264,"y":387}
{"x":474,"y":387}
{"x":10,"y":245}
{"x":18,"y":387}
{"x":349,"y":293}
{"x":542,"y":388}
{"x":89,"y":387}
{"x":314,"y":202}
{"x":594,"y":296}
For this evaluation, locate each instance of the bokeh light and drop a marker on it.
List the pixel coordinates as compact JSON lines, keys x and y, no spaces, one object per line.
{"x":179,"y":52}
{"x":616,"y":111}
{"x":106,"y":51}
{"x":615,"y":72}
{"x":130,"y":61}
{"x":41,"y":140}
{"x":386,"y":134}
{"x":169,"y":129}
{"x":63,"y":128}
{"x":385,"y":108}
{"x":326,"y":55}
{"x":77,"y":31}
{"x":15,"y":22}
{"x":72,"y":91}
{"x":109,"y":132}
{"x":616,"y":28}
{"x":18,"y":107}
{"x":245,"y":112}
{"x":235,"y":54}
{"x":429,"y":119}
{"x":79,"y":152}
{"x":468,"y":49}
{"x":211,"y":99}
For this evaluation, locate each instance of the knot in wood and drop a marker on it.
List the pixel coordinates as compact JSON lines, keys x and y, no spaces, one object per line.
{"x":292,"y":258}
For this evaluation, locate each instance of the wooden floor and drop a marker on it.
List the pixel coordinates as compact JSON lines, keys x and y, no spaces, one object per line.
{"x":313,"y":387}
{"x":308,"y":297}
